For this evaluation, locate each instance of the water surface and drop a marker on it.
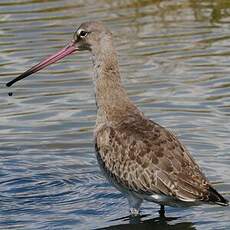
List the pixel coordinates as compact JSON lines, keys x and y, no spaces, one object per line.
{"x":174,"y":59}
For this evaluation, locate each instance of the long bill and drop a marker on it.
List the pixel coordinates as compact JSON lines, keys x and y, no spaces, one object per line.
{"x":69,"y":49}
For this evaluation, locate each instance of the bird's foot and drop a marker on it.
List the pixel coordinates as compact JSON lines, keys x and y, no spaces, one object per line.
{"x":134,"y":204}
{"x":134,"y":212}
{"x":162,"y":211}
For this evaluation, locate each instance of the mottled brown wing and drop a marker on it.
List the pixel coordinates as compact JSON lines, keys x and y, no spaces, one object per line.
{"x":147,"y":158}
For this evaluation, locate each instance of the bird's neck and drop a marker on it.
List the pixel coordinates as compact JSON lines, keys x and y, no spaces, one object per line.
{"x":113,"y":104}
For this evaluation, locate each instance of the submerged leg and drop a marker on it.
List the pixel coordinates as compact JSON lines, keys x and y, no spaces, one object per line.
{"x":134,"y":204}
{"x":162,"y":211}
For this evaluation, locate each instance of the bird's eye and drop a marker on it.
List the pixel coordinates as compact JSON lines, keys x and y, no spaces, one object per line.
{"x":83,"y":33}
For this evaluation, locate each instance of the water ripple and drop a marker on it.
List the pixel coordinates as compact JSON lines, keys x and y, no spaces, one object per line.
{"x":174,"y":60}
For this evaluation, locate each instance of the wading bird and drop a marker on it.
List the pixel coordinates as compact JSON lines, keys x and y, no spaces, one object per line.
{"x":142,"y":159}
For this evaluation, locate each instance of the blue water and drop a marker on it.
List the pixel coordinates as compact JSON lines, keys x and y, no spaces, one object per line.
{"x":174,"y":58}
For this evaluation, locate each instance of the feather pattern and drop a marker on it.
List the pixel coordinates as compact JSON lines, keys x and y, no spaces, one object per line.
{"x":146,"y":158}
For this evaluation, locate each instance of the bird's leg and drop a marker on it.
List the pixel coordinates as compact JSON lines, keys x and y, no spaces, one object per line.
{"x":162,"y":211}
{"x":134,"y":204}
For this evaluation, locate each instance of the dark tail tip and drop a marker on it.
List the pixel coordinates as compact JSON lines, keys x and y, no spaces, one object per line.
{"x":216,"y":198}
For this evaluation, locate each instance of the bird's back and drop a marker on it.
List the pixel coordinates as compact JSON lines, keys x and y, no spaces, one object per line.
{"x":147,"y":159}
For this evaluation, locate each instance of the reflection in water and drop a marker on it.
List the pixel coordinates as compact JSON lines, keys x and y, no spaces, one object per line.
{"x":174,"y":58}
{"x":207,"y":10}
{"x":140,"y":223}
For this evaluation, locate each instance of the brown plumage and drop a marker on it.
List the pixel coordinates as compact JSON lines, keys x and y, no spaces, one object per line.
{"x":146,"y":158}
{"x":142,"y":159}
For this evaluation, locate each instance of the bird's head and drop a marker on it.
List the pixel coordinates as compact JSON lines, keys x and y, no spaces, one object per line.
{"x":92,"y":36}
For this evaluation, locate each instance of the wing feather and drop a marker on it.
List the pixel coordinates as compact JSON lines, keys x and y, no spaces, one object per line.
{"x":147,"y":158}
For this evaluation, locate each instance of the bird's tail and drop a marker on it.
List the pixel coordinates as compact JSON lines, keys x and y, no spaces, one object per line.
{"x":215,"y":197}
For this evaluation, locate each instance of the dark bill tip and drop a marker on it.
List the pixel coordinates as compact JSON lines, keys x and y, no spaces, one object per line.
{"x":20,"y":77}
{"x":9,"y":84}
{"x":69,"y":49}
